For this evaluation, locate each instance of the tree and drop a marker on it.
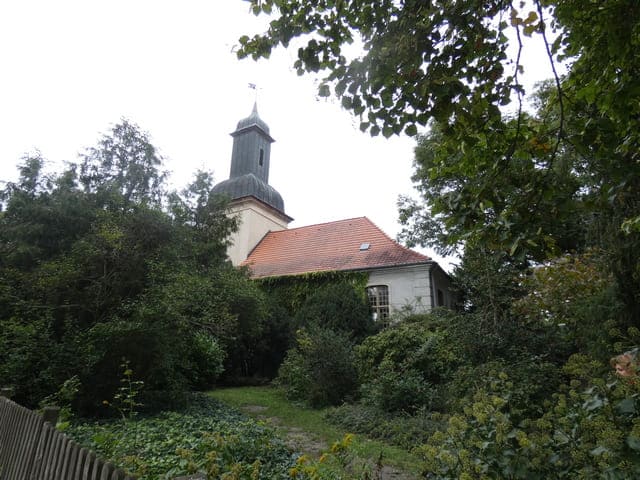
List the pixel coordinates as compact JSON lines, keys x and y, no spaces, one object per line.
{"x":98,"y":263}
{"x":320,"y":369}
{"x":205,"y":218}
{"x":505,"y":180}
{"x":519,"y":206}
{"x":450,"y":61}
{"x":421,"y":60}
{"x":574,"y":294}
{"x":487,"y":285}
{"x":338,"y":307}
{"x":123,"y":169}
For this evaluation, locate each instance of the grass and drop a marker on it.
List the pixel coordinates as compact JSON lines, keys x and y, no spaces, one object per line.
{"x":312,"y":421}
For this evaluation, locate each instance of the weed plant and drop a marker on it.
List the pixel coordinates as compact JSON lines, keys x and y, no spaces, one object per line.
{"x":207,"y":437}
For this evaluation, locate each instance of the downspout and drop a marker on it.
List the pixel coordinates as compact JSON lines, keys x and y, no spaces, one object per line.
{"x":431,"y":293}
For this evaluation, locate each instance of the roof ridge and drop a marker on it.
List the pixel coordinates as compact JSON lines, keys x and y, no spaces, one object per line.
{"x":324,"y":223}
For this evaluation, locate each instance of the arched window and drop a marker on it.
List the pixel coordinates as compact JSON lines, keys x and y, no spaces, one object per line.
{"x":379,"y":302}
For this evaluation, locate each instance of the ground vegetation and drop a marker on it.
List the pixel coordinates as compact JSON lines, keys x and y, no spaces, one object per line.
{"x":206,"y":437}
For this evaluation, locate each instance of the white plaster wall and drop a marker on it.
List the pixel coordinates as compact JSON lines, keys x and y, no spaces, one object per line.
{"x":408,"y":286}
{"x":255,"y":222}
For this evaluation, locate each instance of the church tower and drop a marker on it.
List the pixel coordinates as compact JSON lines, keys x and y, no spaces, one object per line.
{"x":258,"y":206}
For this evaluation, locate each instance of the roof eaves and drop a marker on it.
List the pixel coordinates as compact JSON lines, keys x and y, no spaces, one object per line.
{"x":366,"y":269}
{"x":270,"y":207}
{"x":253,"y":126}
{"x":396,"y":265}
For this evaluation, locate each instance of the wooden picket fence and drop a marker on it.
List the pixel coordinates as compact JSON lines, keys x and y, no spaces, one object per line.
{"x":32,"y":449}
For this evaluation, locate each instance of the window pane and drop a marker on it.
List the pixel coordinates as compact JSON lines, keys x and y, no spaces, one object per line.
{"x":378,"y":302}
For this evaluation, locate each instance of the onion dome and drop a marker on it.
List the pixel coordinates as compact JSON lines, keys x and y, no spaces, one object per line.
{"x":250,"y":185}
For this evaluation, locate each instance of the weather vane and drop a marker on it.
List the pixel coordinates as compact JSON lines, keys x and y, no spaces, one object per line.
{"x":254,"y":87}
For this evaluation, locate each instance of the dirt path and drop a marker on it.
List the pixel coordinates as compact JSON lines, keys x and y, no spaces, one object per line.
{"x":301,"y":441}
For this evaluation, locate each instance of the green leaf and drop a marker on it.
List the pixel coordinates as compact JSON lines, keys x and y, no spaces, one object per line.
{"x":633,"y":443}
{"x":387,"y":98}
{"x":598,"y":451}
{"x":411,"y":130}
{"x":324,"y":90}
{"x":627,"y":406}
{"x":514,"y":247}
{"x":593,"y":403}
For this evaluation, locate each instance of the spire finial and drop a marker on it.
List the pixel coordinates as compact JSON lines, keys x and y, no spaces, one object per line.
{"x":254,"y":87}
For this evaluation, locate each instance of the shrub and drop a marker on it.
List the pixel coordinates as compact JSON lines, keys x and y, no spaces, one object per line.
{"x":269,"y":351}
{"x":400,"y":367}
{"x":319,"y":370}
{"x":337,"y":306}
{"x":207,"y":360}
{"x":411,"y":345}
{"x":575,"y":294}
{"x":531,"y":381}
{"x":589,"y":432}
{"x":403,"y":430}
{"x":398,"y":390}
{"x":479,"y":443}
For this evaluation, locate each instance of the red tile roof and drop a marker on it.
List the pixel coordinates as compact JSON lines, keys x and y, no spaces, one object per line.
{"x":331,"y":246}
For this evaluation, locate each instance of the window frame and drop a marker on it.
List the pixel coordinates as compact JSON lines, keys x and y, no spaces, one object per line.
{"x":379,"y":303}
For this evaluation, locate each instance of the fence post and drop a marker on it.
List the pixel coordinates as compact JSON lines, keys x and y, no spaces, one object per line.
{"x":6,"y":392}
{"x":50,"y":414}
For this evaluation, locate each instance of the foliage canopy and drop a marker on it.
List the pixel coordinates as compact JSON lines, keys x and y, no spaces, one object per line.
{"x":489,"y":171}
{"x":100,"y":262}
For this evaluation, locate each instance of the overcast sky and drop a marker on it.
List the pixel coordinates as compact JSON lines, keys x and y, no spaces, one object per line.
{"x":70,"y":69}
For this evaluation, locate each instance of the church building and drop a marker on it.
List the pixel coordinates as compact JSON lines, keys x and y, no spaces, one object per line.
{"x":399,"y":278}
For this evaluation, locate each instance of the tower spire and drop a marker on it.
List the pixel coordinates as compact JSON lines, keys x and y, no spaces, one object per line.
{"x":250,"y":162}
{"x":257,"y":205}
